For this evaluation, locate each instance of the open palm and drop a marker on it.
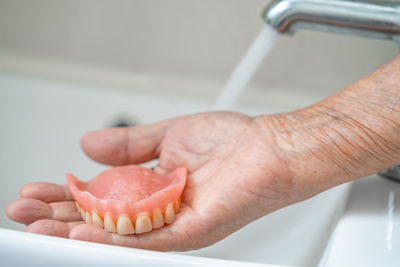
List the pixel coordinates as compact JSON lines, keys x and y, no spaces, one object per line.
{"x":236,"y":175}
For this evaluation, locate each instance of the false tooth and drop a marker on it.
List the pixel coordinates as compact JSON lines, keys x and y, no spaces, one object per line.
{"x":109,"y":224}
{"x":143,"y":223}
{"x":124,"y":225}
{"x":97,"y":220}
{"x":176,"y":206}
{"x":78,"y":207}
{"x":88,"y":218}
{"x":83,"y":214}
{"x":169,"y":213}
{"x":158,"y":219}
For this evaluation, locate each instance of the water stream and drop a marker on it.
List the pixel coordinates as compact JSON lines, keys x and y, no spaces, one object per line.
{"x":246,"y":68}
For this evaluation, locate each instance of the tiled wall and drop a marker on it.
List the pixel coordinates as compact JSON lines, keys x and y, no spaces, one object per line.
{"x":189,"y":37}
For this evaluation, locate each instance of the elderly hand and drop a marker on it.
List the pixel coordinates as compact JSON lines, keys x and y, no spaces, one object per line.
{"x":241,"y":168}
{"x":236,"y":176}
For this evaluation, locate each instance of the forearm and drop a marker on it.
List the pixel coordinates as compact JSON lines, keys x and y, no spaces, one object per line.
{"x":351,"y":134}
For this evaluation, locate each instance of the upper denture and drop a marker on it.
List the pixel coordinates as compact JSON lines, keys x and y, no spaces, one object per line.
{"x":129,"y":199}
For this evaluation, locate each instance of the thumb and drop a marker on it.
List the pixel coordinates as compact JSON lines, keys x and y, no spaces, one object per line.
{"x":121,"y":146}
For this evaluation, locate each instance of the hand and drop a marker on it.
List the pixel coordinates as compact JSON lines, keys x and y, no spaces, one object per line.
{"x":241,"y":168}
{"x":237,"y":174}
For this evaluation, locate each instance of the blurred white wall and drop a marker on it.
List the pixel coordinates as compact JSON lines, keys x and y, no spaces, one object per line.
{"x":180,"y":37}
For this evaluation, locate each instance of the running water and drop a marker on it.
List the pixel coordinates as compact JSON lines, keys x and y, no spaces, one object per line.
{"x":246,"y":68}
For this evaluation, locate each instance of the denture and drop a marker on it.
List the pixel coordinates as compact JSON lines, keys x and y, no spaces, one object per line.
{"x":129,"y":199}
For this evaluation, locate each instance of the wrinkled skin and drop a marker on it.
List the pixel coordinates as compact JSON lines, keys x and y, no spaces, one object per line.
{"x":235,"y":177}
{"x":241,"y":168}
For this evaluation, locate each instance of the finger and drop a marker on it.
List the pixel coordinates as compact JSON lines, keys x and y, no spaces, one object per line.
{"x":159,"y":239}
{"x":161,"y":170}
{"x":121,"y":146}
{"x":52,"y":227}
{"x":177,"y":236}
{"x":46,"y":192}
{"x":28,"y":210}
{"x":65,"y":211}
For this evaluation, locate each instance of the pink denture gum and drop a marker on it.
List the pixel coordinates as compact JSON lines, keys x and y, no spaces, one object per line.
{"x":129,"y":199}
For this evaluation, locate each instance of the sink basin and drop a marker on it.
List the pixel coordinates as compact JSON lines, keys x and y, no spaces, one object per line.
{"x":368,"y":233}
{"x":39,"y":250}
{"x":42,"y":122}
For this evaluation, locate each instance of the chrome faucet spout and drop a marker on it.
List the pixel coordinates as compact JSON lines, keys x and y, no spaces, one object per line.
{"x":368,"y":18}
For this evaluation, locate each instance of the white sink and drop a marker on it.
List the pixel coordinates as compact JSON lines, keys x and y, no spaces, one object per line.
{"x":368,"y":233}
{"x":41,"y":125}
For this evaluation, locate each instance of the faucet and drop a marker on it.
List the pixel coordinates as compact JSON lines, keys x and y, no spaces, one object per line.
{"x":368,"y":18}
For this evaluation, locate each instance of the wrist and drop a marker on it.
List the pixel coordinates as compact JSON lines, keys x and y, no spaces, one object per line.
{"x":324,"y":148}
{"x":349,"y":135}
{"x":297,"y":139}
